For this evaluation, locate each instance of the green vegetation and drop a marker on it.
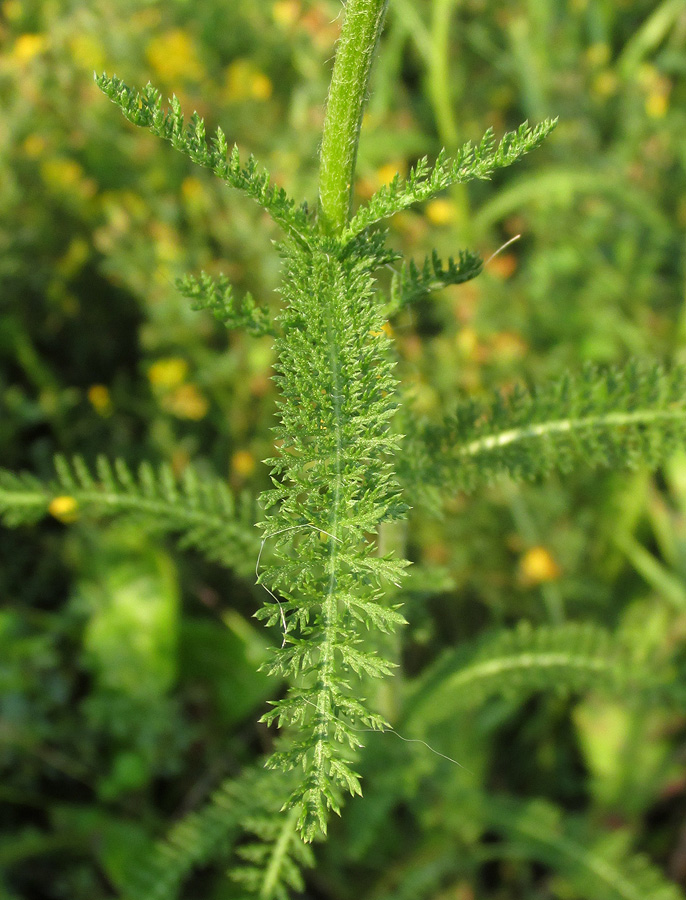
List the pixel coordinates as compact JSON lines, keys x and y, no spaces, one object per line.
{"x":470,"y":592}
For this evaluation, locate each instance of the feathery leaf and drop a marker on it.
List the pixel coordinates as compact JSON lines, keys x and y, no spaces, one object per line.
{"x":145,"y":109}
{"x":425,"y":181}
{"x":622,"y":417}
{"x":517,"y":662}
{"x":411,"y":282}
{"x":217,"y":295}
{"x":201,"y":509}
{"x":333,"y":486}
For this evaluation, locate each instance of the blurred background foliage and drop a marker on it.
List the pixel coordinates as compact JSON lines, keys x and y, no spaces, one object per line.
{"x":128,"y":684}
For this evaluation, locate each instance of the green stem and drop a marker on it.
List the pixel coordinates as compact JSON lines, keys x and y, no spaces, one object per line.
{"x":441,"y":90}
{"x":440,"y":82}
{"x":278,"y":858}
{"x":347,"y":95}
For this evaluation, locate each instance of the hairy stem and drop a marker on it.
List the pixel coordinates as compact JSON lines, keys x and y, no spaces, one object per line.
{"x":561,"y":426}
{"x":347,"y":95}
{"x":330,"y":605}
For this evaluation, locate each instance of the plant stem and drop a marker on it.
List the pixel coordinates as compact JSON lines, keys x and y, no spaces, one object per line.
{"x":441,"y":83}
{"x":347,"y":95}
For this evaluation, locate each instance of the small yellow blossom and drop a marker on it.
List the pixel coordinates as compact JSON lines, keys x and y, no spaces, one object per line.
{"x":100,"y":399}
{"x":87,"y":52}
{"x":28,"y":46}
{"x":64,"y":508}
{"x":168,"y":373}
{"x":186,"y":402}
{"x":467,"y":342}
{"x":286,"y":12}
{"x":598,"y":54}
{"x":66,"y":175}
{"x":440,"y":211}
{"x":244,"y":81}
{"x":193,"y":190}
{"x":174,"y":57}
{"x":167,"y":242}
{"x":605,"y":84}
{"x":538,"y":566}
{"x":243,"y":463}
{"x":386,"y":174}
{"x":508,"y":346}
{"x":386,"y":329}
{"x":656,"y":104}
{"x":34,"y":145}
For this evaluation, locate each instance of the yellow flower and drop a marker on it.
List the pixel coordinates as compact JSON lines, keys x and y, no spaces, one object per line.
{"x":656,"y":104}
{"x":27,"y":46}
{"x":538,"y":566}
{"x":100,"y":399}
{"x":243,"y":463}
{"x":440,"y":211}
{"x":598,"y":54}
{"x":186,"y":402}
{"x":174,"y":57}
{"x":507,"y":346}
{"x":192,"y":189}
{"x":286,"y":12}
{"x":64,"y":508}
{"x":386,"y":174}
{"x":87,"y":52}
{"x":168,"y":373}
{"x":386,"y":329}
{"x":34,"y":145}
{"x":67,"y":176}
{"x":467,"y":341}
{"x":244,"y":81}
{"x":605,"y":84}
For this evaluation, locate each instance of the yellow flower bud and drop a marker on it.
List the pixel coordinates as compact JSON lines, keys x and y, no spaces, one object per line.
{"x":64,"y":508}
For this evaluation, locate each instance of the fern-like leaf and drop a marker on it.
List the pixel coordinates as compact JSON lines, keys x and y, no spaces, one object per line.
{"x":332,"y":487}
{"x":23,"y":499}
{"x":218,"y":296}
{"x":515,"y":663}
{"x":602,"y":867}
{"x":267,"y":865}
{"x":145,"y":109}
{"x":272,"y":862}
{"x":411,"y":282}
{"x":425,"y":181}
{"x":619,"y":418}
{"x":201,"y":509}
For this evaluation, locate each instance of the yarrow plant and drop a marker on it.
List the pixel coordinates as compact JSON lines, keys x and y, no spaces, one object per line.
{"x":334,"y":479}
{"x":341,"y":469}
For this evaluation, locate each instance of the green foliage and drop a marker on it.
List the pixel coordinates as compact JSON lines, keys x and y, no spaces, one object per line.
{"x":201,"y":510}
{"x":412,"y":283}
{"x":544,"y":650}
{"x":217,"y":295}
{"x":514,"y":663}
{"x":595,"y":868}
{"x":622,"y":417}
{"x":268,"y":864}
{"x":145,"y":109}
{"x":337,"y":399}
{"x":425,"y":181}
